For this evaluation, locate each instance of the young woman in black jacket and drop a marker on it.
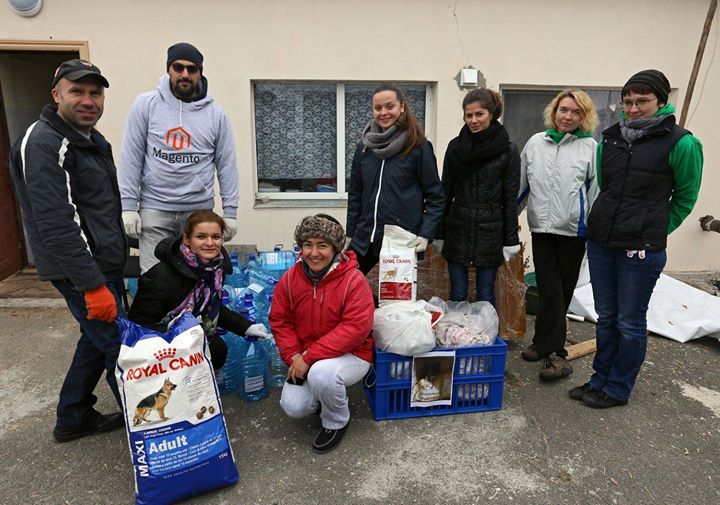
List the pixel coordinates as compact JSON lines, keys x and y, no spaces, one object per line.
{"x":190,"y":276}
{"x":481,"y":178}
{"x":394,"y":179}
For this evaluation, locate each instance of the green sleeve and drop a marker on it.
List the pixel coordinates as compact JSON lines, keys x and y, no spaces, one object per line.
{"x":686,"y":162}
{"x":598,"y":164}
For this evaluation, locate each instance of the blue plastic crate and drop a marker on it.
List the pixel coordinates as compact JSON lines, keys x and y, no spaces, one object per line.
{"x":477,"y":383}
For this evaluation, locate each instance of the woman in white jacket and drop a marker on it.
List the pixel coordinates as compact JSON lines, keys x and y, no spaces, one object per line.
{"x":557,"y":183}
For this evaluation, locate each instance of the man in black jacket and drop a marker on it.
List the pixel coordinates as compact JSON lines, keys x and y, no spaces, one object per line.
{"x":65,"y":180}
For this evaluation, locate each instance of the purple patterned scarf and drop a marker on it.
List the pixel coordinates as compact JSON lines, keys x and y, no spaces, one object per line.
{"x":205,"y":299}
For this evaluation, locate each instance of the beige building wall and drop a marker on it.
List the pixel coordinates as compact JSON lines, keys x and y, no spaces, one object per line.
{"x":513,"y":42}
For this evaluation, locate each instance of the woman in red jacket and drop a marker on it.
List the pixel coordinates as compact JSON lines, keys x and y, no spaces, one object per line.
{"x":321,"y":317}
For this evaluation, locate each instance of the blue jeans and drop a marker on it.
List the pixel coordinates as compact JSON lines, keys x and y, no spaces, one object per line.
{"x":156,"y":226}
{"x":96,"y":352}
{"x":622,"y":287}
{"x":484,"y":283}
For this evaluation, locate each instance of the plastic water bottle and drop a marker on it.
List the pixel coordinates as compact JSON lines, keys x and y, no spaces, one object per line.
{"x":263,"y":308}
{"x":246,"y":307}
{"x":228,"y":377}
{"x":277,"y":261}
{"x":237,"y":280}
{"x":225,"y":297}
{"x":278,"y":368}
{"x":132,"y":286}
{"x":254,"y":375}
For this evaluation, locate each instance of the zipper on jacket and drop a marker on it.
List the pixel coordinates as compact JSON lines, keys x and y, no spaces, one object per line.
{"x":377,"y":199}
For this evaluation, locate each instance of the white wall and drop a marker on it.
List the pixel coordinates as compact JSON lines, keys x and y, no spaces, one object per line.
{"x":518,"y":42}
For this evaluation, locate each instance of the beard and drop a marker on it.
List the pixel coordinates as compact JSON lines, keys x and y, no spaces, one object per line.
{"x":184,"y":92}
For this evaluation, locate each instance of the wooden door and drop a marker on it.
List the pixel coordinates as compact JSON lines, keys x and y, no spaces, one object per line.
{"x":12,"y":254}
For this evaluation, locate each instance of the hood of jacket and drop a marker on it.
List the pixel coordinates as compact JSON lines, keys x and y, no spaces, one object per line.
{"x":168,"y":251}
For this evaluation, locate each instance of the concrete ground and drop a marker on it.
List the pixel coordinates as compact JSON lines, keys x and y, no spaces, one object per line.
{"x":540,"y":448}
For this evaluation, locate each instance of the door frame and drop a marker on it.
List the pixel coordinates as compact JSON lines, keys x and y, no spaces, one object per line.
{"x":80,"y":46}
{"x":38,"y":46}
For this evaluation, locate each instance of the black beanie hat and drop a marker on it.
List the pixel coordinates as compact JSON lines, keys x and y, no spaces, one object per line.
{"x":655,"y":79}
{"x":321,"y":226}
{"x":184,"y":51}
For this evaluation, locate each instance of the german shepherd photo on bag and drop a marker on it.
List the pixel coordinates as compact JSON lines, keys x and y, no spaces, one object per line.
{"x":156,"y":401}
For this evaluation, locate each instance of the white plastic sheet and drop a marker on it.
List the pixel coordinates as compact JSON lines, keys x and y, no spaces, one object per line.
{"x":677,"y":311}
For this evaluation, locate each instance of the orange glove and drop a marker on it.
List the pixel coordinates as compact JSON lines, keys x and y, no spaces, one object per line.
{"x":100,"y":304}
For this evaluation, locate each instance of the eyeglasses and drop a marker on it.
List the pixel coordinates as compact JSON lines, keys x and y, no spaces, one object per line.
{"x":179,"y":67}
{"x":628,"y":104}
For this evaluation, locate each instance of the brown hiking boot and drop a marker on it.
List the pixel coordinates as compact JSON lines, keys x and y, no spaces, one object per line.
{"x":555,"y":368}
{"x":531,"y":354}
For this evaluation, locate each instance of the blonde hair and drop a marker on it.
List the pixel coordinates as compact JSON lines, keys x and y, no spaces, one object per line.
{"x":585,"y":104}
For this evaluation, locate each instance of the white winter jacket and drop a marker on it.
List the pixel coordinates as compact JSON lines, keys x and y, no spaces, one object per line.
{"x":558,"y":184}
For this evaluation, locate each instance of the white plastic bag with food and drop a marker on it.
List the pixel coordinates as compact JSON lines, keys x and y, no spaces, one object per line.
{"x":403,"y":328}
{"x":466,"y":324}
{"x":397,"y":279}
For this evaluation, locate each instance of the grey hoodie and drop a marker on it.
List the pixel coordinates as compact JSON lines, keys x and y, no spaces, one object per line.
{"x":171,"y":150}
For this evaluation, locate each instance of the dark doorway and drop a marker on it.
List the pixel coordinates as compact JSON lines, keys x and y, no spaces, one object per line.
{"x":25,"y":79}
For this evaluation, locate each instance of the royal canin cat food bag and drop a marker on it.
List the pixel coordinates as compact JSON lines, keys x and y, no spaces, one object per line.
{"x":398,"y":266}
{"x":175,"y":425}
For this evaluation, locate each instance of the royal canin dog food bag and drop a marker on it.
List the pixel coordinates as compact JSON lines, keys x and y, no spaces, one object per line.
{"x":175,"y":425}
{"x":398,"y":266}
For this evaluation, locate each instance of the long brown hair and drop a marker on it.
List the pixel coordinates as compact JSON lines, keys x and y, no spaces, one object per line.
{"x":406,"y":121}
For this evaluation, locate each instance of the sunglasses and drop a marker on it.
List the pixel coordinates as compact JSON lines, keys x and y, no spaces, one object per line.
{"x":179,"y":67}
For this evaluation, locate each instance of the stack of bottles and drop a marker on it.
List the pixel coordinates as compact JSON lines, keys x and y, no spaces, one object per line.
{"x":253,"y":366}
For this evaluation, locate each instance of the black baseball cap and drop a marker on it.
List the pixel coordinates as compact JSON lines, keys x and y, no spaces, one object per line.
{"x":75,"y":70}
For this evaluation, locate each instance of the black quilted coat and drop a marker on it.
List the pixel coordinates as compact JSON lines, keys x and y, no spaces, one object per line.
{"x":481,"y":208}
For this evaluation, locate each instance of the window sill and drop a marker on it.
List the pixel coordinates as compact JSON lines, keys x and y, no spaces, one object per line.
{"x":300,"y":203}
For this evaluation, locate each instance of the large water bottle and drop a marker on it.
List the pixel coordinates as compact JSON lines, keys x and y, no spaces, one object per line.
{"x":237,"y":280}
{"x":263,"y":308}
{"x":255,"y":376}
{"x":246,"y":307}
{"x":277,"y":261}
{"x":228,"y":377}
{"x":278,"y":368}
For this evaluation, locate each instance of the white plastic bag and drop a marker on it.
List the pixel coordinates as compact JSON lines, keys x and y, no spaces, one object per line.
{"x":403,"y":328}
{"x":465,"y":324}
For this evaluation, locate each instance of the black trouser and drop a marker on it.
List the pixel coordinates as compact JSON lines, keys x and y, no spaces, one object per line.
{"x":367,"y":261}
{"x":557,"y":260}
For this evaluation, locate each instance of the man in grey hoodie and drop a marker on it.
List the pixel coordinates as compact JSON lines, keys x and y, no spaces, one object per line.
{"x":176,"y":138}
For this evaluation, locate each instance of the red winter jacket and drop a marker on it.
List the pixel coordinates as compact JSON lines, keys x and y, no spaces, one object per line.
{"x":326,"y":321}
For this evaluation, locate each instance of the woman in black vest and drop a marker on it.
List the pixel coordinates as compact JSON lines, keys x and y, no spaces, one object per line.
{"x":481,"y":178}
{"x":649,"y":172}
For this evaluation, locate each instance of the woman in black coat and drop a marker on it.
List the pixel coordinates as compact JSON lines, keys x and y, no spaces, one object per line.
{"x":190,"y":276}
{"x":481,"y":178}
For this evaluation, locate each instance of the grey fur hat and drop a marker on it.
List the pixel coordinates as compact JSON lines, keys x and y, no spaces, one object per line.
{"x":321,"y":226}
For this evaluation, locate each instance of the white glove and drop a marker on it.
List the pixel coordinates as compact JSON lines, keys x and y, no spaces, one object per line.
{"x":347,"y":243}
{"x":231,"y":228}
{"x":437,"y":245}
{"x":509,"y":251}
{"x":132,"y":223}
{"x":257,"y":330}
{"x":420,"y":244}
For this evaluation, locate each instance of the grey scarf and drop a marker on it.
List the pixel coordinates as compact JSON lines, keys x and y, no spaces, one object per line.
{"x":384,"y":144}
{"x":633,"y":129}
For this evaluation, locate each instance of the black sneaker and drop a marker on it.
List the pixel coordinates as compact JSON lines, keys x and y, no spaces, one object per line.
{"x":577,"y":393}
{"x":327,"y":439}
{"x":601,"y":400}
{"x":103,"y":423}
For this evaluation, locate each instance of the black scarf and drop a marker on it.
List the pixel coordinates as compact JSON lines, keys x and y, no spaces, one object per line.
{"x":474,"y":149}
